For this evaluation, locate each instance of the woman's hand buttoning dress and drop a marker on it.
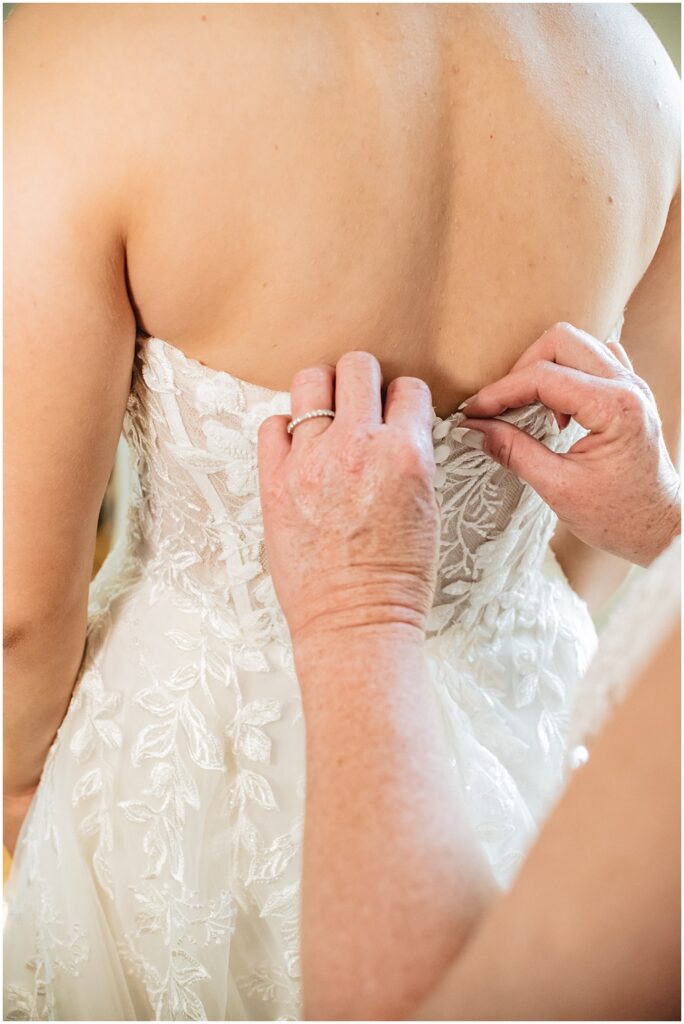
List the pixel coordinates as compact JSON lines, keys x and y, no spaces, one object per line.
{"x":392,"y":864}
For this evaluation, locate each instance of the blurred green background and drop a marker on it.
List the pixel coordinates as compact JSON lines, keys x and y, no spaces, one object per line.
{"x":666,"y":19}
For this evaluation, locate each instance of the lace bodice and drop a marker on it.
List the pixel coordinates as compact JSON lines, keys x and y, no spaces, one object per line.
{"x":157,"y":872}
{"x":193,"y":432}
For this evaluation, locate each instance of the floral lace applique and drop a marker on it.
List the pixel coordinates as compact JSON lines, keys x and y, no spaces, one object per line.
{"x":178,"y":771}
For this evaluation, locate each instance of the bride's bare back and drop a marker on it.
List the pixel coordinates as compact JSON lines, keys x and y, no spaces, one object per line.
{"x":436,"y":184}
{"x":267,"y":186}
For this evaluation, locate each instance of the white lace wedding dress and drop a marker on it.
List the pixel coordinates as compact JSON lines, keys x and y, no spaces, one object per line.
{"x":157,"y":872}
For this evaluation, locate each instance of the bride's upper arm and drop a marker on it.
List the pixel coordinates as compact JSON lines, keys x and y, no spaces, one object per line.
{"x":69,"y":329}
{"x":652,"y":327}
{"x":651,"y":333}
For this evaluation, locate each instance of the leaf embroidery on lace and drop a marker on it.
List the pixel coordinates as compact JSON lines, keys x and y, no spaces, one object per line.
{"x":183,"y":746}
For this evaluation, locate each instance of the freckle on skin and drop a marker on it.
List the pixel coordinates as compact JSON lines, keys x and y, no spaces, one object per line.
{"x":203,"y":17}
{"x":610,"y":199}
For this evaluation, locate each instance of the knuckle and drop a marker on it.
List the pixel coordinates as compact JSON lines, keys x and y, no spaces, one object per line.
{"x":355,"y":453}
{"x":358,"y":360}
{"x":499,"y":445}
{"x":558,"y":330}
{"x":413,"y":393}
{"x":411,"y":384}
{"x":415,"y":458}
{"x":312,"y":375}
{"x":502,"y":450}
{"x":623,"y":377}
{"x":631,"y":401}
{"x":540,"y":369}
{"x":596,"y":406}
{"x":410,"y":455}
{"x":643,"y":389}
{"x":266,"y":427}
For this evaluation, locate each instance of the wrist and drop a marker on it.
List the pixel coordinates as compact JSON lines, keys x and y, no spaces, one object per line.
{"x":344,"y":604}
{"x":348,"y":625}
{"x":666,"y":526}
{"x":335,"y":647}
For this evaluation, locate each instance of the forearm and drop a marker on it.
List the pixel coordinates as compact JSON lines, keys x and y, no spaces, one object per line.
{"x":385,"y":821}
{"x":41,"y":664}
{"x":591,"y":928}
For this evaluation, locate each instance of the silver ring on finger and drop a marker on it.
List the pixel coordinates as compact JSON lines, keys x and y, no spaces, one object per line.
{"x":309,"y":416}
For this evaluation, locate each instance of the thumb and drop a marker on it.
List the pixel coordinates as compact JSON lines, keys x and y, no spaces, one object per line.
{"x":528,"y":458}
{"x":273,"y":445}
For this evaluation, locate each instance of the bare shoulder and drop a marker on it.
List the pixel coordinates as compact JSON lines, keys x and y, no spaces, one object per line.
{"x":635,"y":73}
{"x":616,"y":40}
{"x":98,"y":85}
{"x":637,"y":52}
{"x":607,"y":54}
{"x":63,"y":116}
{"x":636,"y":97}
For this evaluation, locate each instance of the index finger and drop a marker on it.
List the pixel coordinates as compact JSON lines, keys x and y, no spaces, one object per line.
{"x":570,"y":346}
{"x":588,"y":399}
{"x":358,"y":382}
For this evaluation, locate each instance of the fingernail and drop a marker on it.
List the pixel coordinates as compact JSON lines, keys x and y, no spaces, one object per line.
{"x":471,"y":438}
{"x":464,"y":403}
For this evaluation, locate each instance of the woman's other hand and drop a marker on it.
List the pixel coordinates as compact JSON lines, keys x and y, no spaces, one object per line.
{"x":351,"y":520}
{"x":616,"y":488}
